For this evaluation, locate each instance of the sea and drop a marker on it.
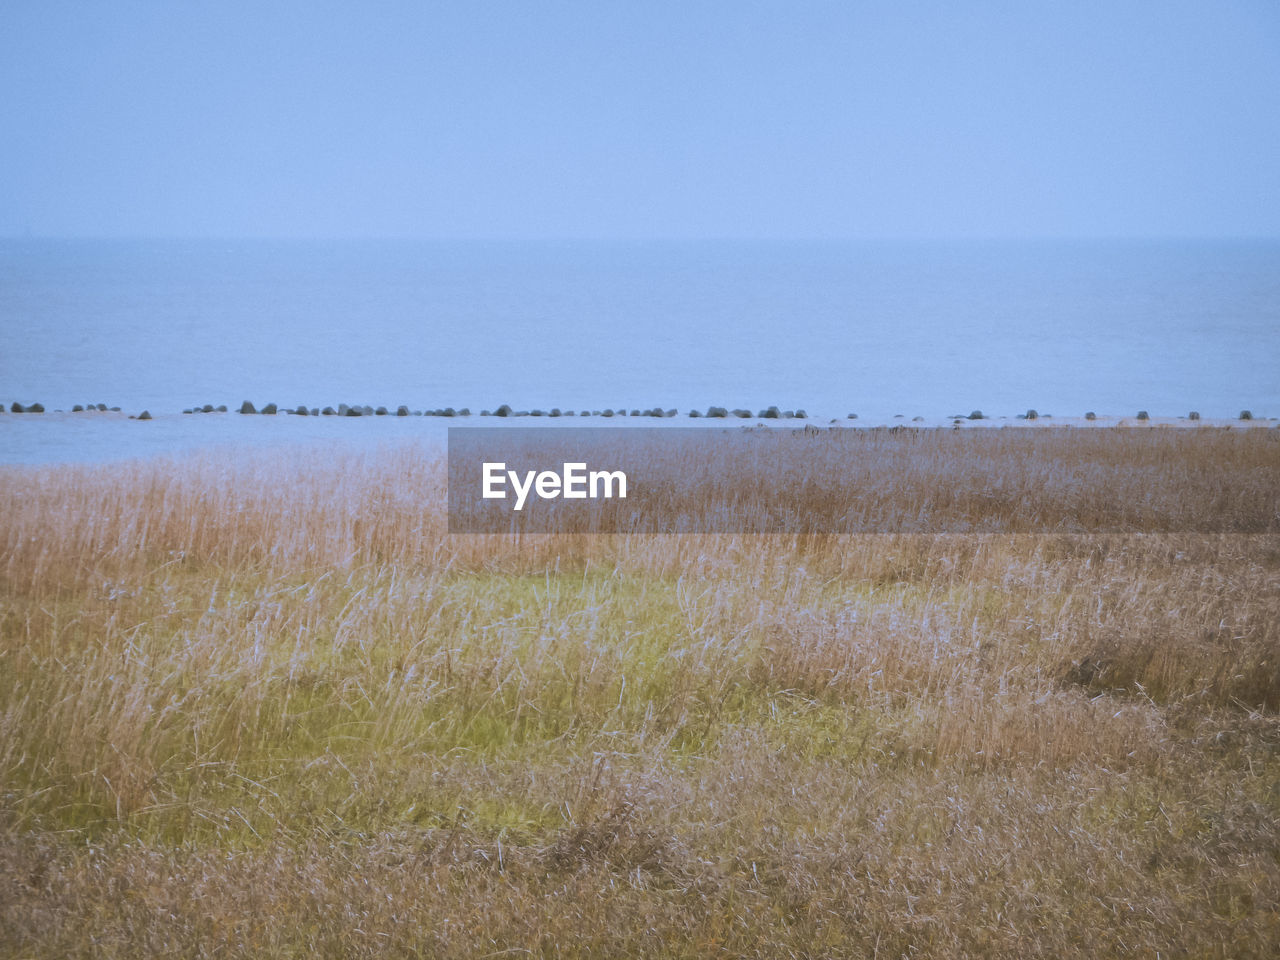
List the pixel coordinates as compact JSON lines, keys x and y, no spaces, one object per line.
{"x":881,"y":329}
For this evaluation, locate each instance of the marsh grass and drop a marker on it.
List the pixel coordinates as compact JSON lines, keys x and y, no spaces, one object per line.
{"x":266,"y":706}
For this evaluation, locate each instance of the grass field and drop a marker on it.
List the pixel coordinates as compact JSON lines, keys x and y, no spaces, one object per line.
{"x":266,"y":706}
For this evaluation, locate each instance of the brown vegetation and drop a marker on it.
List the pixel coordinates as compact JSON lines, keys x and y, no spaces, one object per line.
{"x":266,"y":706}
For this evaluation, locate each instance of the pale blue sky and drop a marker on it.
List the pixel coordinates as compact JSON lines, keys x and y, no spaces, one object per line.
{"x":643,"y":119}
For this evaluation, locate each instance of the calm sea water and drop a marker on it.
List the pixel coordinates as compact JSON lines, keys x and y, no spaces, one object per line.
{"x":912,"y":328}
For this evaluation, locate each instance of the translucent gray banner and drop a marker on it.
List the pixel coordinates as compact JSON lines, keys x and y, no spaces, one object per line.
{"x":839,"y":480}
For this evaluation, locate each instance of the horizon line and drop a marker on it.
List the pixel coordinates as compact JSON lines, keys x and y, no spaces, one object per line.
{"x":638,"y":238}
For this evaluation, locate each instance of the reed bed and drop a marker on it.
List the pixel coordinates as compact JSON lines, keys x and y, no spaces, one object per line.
{"x":265,"y":705}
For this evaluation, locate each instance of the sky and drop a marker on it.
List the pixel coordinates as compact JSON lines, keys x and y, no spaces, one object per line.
{"x":684,"y":119}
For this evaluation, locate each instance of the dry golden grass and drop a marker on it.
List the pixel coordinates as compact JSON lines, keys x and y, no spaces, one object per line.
{"x":266,"y":706}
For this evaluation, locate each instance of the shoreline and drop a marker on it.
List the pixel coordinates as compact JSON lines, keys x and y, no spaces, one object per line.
{"x":507,"y":411}
{"x":59,"y":437}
